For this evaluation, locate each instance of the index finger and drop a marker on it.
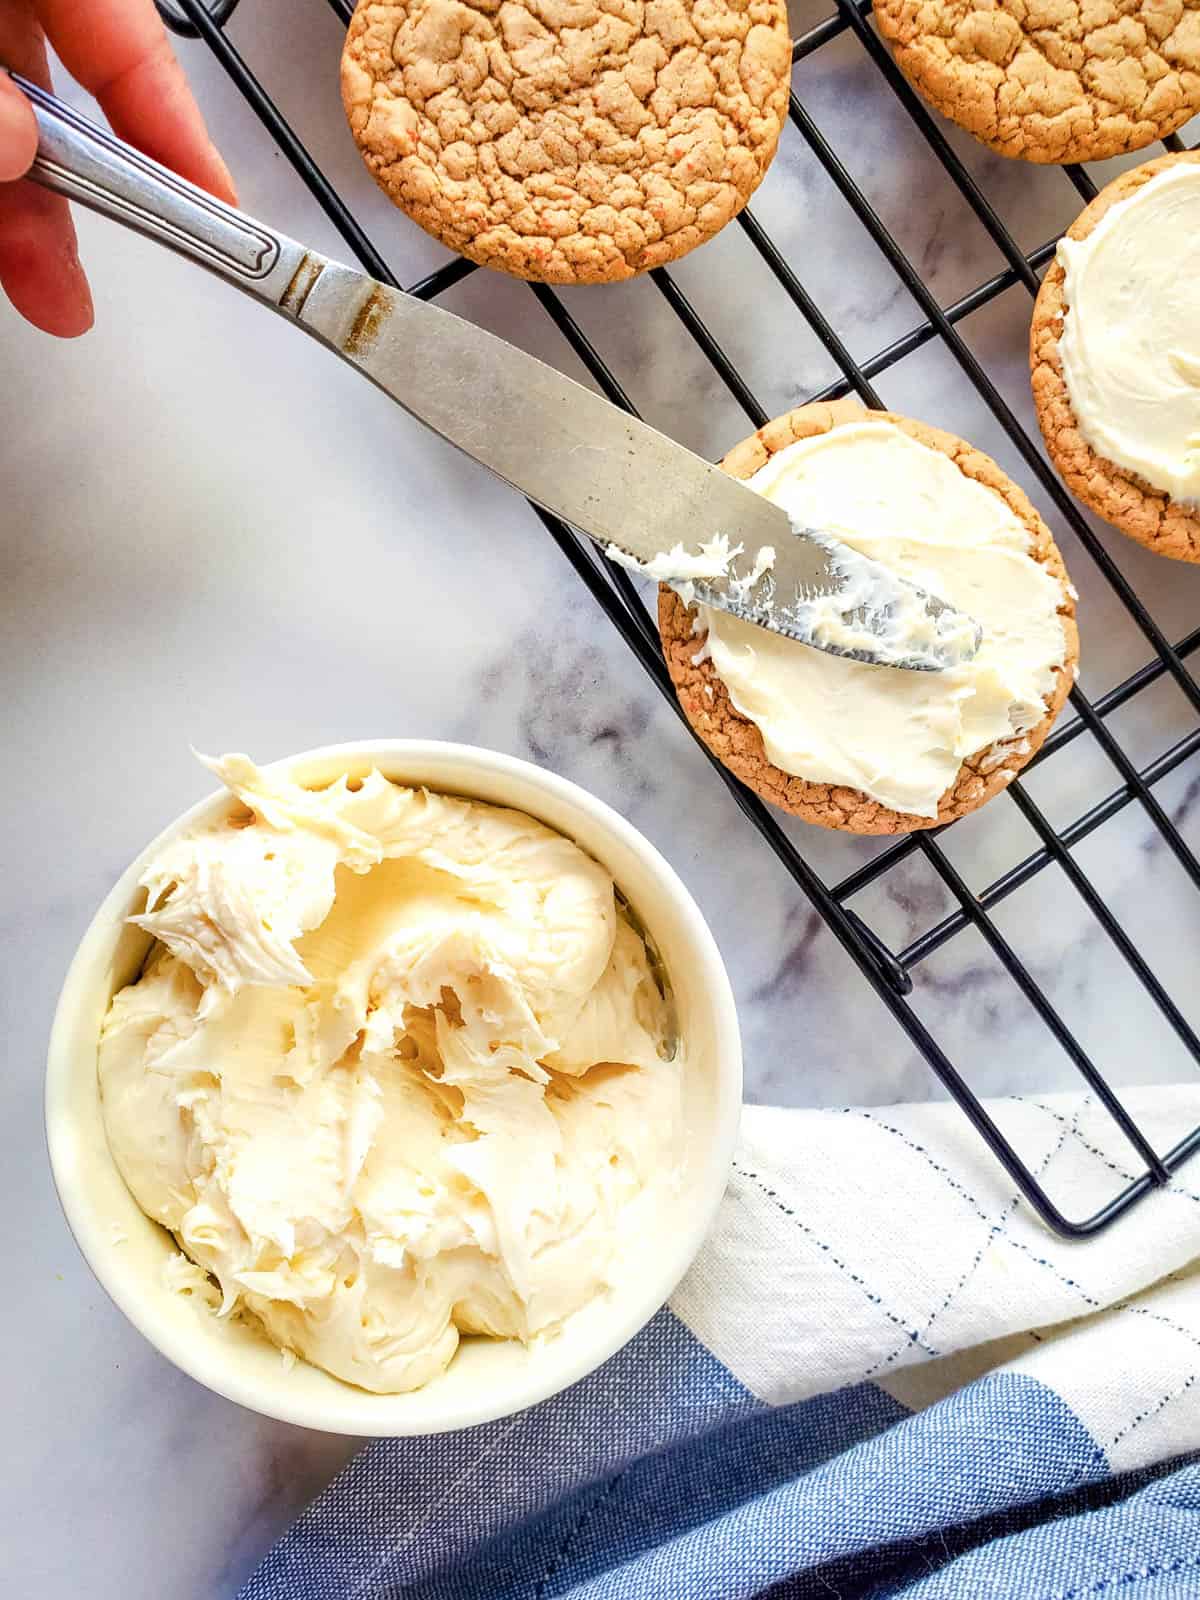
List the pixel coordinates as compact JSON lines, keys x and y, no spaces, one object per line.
{"x":119,"y":51}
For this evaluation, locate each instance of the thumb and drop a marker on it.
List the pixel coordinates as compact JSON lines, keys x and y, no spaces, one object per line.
{"x":18,"y":131}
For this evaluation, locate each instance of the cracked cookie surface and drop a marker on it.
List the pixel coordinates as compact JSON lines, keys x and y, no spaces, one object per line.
{"x":1052,"y":80}
{"x":568,"y":141}
{"x":737,"y":742}
{"x":1131,"y":504}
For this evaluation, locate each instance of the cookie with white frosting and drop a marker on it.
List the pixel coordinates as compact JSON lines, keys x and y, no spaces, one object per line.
{"x":1115,"y":355}
{"x":873,"y":749}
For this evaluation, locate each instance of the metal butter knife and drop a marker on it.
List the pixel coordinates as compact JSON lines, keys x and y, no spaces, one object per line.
{"x":635,"y":492}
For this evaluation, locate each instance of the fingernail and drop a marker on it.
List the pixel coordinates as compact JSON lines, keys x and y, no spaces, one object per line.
{"x":85,"y":309}
{"x":219,"y":163}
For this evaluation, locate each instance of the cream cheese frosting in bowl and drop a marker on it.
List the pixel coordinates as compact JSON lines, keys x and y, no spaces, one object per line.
{"x":529,"y":1170}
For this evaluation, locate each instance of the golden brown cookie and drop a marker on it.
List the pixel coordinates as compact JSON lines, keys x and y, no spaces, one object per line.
{"x":568,"y":141}
{"x":736,"y":741}
{"x":1127,"y":501}
{"x":1052,"y":80}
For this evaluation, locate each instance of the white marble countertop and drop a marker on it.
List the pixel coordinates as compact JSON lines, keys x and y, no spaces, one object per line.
{"x":215,"y":535}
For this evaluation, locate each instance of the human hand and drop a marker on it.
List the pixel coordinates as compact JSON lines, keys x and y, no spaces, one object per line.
{"x":119,"y":51}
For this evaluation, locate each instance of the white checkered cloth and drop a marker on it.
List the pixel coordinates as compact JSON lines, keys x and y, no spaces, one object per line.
{"x":889,"y":1245}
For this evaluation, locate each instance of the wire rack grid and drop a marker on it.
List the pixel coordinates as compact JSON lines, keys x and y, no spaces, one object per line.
{"x":889,"y":972}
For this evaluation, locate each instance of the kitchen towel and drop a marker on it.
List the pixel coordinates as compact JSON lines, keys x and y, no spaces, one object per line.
{"x":882,"y":1377}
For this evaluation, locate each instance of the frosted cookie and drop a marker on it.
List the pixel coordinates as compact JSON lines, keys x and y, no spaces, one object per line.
{"x":1115,"y":356}
{"x":568,"y":141}
{"x":1052,"y":80}
{"x":873,"y":749}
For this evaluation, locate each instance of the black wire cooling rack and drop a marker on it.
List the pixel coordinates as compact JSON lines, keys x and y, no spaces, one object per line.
{"x":888,"y":972}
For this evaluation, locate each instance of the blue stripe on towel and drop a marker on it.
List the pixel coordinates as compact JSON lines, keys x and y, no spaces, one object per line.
{"x":660,"y":1475}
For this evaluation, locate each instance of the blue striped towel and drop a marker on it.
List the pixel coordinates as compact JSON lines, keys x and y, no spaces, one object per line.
{"x":881,"y":1378}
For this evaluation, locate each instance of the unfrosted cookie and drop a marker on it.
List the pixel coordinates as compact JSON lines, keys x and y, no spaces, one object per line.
{"x":737,"y":741}
{"x":568,"y":141}
{"x":1052,"y":80}
{"x":1120,"y":495}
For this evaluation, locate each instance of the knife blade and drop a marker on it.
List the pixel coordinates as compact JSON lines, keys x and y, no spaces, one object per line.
{"x":641,"y":496}
{"x":645,"y":499}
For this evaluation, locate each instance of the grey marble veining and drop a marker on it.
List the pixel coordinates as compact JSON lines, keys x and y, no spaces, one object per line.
{"x":215,"y":535}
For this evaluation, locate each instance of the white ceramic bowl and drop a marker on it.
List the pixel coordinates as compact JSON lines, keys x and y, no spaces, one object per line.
{"x":487,"y":1378}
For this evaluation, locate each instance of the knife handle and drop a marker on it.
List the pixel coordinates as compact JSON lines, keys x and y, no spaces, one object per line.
{"x":85,"y":162}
